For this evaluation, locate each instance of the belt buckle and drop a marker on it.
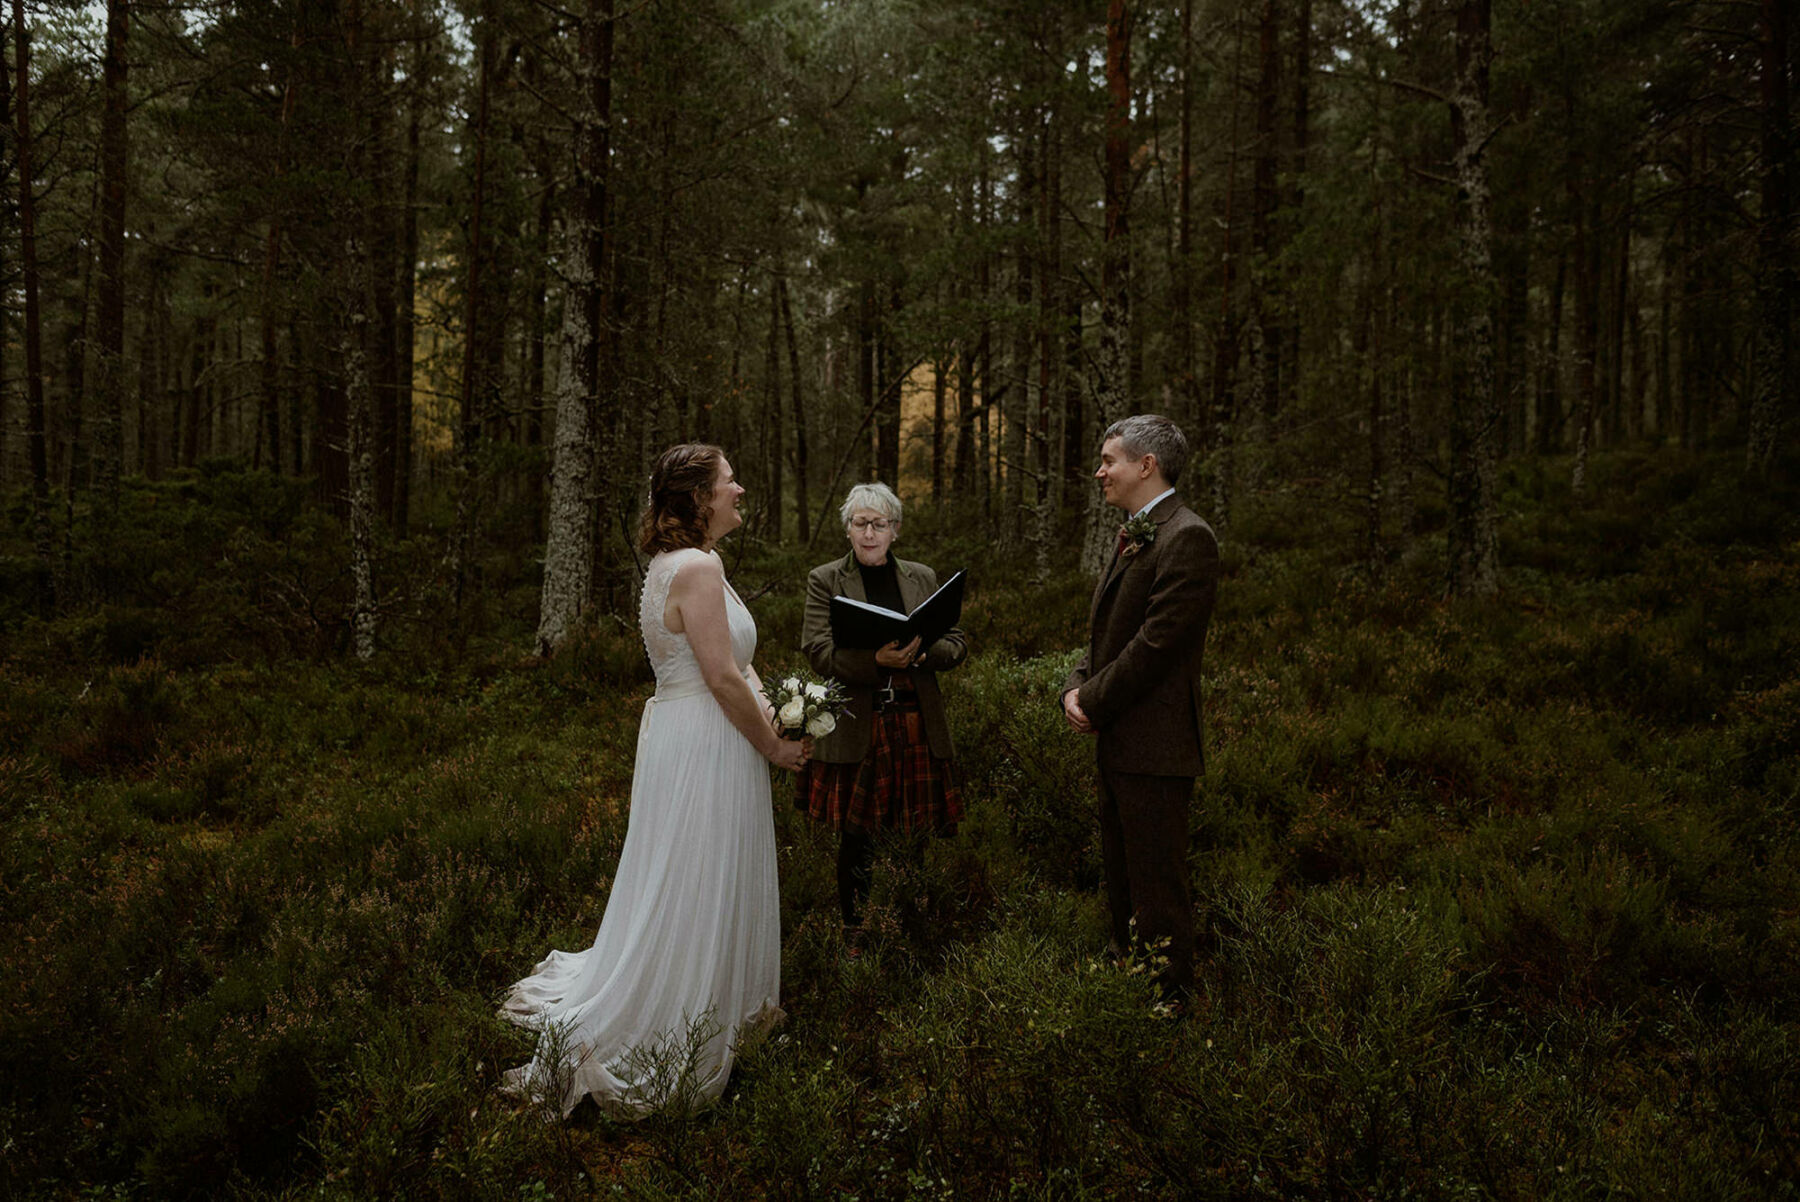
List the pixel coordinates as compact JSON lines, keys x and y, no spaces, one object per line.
{"x":884,"y":698}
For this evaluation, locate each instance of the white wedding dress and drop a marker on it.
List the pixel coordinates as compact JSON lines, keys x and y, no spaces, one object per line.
{"x":687,"y":961}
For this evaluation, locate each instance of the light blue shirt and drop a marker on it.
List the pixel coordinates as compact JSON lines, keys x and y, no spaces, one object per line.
{"x":1167,"y":492}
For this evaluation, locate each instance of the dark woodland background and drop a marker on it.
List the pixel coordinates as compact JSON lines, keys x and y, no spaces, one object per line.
{"x":338,"y":338}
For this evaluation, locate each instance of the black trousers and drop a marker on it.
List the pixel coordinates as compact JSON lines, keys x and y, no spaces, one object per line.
{"x":1144,"y":848}
{"x":855,"y":864}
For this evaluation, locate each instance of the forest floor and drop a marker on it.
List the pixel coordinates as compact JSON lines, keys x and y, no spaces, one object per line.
{"x":1498,"y":898}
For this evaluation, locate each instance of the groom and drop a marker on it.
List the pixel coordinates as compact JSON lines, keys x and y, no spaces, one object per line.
{"x":1138,"y":687}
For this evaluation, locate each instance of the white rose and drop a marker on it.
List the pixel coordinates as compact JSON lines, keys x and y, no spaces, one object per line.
{"x":821,"y":725}
{"x":816,"y":691}
{"x":791,"y":684}
{"x":793,"y":713}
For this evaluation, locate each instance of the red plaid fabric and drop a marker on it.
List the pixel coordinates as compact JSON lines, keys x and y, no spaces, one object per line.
{"x":898,"y":785}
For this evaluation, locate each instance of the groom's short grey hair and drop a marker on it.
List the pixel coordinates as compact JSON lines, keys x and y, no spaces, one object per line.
{"x":1151,"y":434}
{"x":876,"y":496}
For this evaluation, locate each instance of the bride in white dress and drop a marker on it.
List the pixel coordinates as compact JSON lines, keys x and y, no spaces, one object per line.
{"x":687,"y":961}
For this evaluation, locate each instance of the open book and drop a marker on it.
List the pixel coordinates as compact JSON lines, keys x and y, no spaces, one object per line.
{"x":859,"y":625}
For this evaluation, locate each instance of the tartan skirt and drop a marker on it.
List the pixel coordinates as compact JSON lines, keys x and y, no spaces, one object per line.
{"x":898,"y":785}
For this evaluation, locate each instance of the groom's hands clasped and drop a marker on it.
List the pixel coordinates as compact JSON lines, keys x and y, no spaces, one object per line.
{"x":1072,"y":710}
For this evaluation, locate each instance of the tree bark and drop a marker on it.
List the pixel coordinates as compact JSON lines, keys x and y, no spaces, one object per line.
{"x":473,"y":393}
{"x":1773,"y":390}
{"x":581,"y":416}
{"x":1019,"y":412}
{"x":1302,"y":140}
{"x":1222,"y":415}
{"x":1113,"y":391}
{"x":353,"y":342}
{"x":1549,"y":389}
{"x":802,"y":462}
{"x":1187,"y":387}
{"x":406,"y":302}
{"x":1587,"y":332}
{"x":36,"y":436}
{"x":771,"y":423}
{"x":1474,"y":404}
{"x":1264,"y":303}
{"x":1047,"y":443}
{"x":109,"y":445}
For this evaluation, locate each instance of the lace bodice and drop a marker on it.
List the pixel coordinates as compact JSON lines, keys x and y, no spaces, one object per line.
{"x":670,"y":655}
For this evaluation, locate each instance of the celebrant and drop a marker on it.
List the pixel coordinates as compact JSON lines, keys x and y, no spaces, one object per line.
{"x":886,"y":766}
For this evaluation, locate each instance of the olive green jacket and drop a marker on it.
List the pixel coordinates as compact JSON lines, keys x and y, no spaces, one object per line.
{"x":858,"y":671}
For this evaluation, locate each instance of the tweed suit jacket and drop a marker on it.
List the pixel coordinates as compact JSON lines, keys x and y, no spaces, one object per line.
{"x":857,"y":669}
{"x":1139,"y":682}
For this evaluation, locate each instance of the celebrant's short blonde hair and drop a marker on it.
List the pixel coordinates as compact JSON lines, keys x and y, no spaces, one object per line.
{"x":876,"y":496}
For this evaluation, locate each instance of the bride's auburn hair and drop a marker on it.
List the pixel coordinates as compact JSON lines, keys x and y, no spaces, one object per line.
{"x":680,"y":504}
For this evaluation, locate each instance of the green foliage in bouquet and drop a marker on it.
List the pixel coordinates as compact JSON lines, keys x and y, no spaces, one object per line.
{"x":806,"y":705}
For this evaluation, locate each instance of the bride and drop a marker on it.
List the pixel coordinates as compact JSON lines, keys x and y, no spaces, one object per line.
{"x":687,"y":961}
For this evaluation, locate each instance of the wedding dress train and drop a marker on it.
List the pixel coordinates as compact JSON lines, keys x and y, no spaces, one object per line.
{"x":687,"y":961}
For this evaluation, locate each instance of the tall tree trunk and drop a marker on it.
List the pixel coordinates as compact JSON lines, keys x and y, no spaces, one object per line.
{"x":802,"y":462}
{"x":1264,"y":302}
{"x":1549,"y":387}
{"x":75,"y":457}
{"x":1512,"y":374}
{"x":537,"y":291}
{"x":581,"y":416}
{"x":1615,"y":386}
{"x":1372,"y":349}
{"x":269,"y":401}
{"x":771,"y":423}
{"x":982,"y":367}
{"x":940,"y":431}
{"x":148,"y":358}
{"x":1047,"y":451}
{"x":1587,"y":333}
{"x":7,"y":162}
{"x":36,"y":436}
{"x":1187,"y":387}
{"x":890,"y":400}
{"x":406,"y":300}
{"x":472,"y":395}
{"x":1018,"y":412}
{"x":1290,"y":322}
{"x":1772,"y":397}
{"x":300,"y":347}
{"x":1222,"y":418}
{"x":1474,"y":405}
{"x":109,"y":444}
{"x":1665,"y":358}
{"x":383,"y":250}
{"x":1113,"y":392}
{"x":353,"y":343}
{"x":1366,"y":349}
{"x":865,"y":362}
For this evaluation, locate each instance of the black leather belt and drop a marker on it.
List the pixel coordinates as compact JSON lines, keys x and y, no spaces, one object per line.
{"x":891,"y":697}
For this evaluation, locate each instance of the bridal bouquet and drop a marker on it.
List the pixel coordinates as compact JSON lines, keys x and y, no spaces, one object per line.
{"x":806,"y":707}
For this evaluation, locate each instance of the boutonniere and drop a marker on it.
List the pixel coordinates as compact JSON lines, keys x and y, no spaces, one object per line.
{"x":1139,"y":533}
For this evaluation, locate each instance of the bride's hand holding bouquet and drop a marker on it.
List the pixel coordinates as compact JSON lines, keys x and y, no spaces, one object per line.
{"x":805,"y":709}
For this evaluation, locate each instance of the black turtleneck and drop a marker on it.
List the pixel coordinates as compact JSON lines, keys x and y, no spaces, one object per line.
{"x":881,"y":584}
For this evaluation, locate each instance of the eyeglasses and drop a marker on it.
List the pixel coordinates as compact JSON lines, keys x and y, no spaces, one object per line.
{"x":878,"y":525}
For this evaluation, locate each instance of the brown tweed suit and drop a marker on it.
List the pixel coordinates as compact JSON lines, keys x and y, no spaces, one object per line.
{"x":1139,"y":684}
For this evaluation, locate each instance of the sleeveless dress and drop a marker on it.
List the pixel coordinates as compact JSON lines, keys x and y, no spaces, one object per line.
{"x":687,"y":961}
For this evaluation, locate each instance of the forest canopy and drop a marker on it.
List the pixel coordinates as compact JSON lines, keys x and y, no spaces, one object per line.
{"x":338,"y":340}
{"x":463,"y":268}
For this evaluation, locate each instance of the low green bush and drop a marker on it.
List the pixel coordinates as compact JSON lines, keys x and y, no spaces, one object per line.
{"x":1494,"y":896}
